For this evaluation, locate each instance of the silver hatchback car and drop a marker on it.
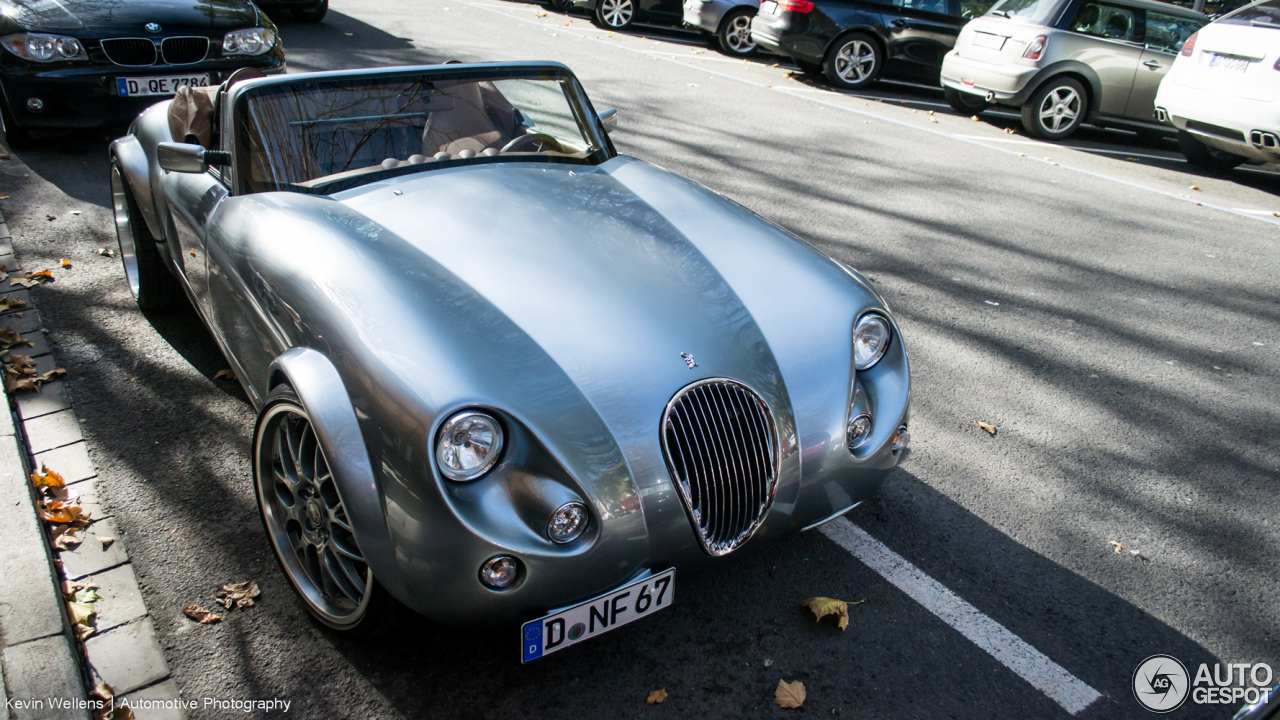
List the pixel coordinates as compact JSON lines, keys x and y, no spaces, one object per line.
{"x":1067,"y":62}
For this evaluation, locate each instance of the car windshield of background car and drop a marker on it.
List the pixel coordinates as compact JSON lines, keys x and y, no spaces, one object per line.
{"x":340,"y":133}
{"x":1264,"y":14}
{"x":1107,"y":21}
{"x":1036,"y":12}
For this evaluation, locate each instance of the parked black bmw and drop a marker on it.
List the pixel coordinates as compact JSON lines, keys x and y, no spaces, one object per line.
{"x":855,"y":42}
{"x":90,"y":63}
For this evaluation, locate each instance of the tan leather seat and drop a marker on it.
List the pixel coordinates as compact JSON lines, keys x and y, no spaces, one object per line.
{"x":465,"y":126}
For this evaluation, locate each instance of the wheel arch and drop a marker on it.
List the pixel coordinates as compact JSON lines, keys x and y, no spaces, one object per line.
{"x":1075,"y":70}
{"x":129,"y":154}
{"x":729,"y":10}
{"x":324,"y":396}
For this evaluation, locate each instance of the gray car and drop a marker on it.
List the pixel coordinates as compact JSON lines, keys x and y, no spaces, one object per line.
{"x":1068,"y":62}
{"x":501,"y":371}
{"x":728,"y":21}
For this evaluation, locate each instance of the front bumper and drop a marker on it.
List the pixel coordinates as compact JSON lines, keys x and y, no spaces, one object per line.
{"x":1006,"y":83}
{"x":1211,"y":113}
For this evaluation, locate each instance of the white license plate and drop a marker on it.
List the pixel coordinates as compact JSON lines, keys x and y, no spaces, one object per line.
{"x":1226,"y":62}
{"x":987,"y":40}
{"x":595,"y":617}
{"x":768,"y":8}
{"x":136,"y":87}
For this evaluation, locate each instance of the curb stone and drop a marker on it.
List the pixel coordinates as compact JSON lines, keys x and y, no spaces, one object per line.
{"x":124,"y":650}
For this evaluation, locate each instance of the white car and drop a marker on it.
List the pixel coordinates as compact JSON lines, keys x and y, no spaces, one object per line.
{"x":1223,"y":92}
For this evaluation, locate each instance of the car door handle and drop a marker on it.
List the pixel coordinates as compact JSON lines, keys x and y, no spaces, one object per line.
{"x":1153,"y":64}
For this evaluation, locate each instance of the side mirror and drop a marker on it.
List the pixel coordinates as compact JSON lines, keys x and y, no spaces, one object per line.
{"x":609,"y":119}
{"x":188,"y":158}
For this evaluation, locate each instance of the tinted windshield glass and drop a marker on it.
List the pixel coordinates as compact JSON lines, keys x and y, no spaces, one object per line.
{"x":1038,"y":12}
{"x":1265,"y":14}
{"x":333,"y":134}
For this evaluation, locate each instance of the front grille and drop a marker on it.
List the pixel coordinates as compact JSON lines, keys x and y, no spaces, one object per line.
{"x":130,"y":51}
{"x":184,"y":50}
{"x":1218,"y":130}
{"x":720,"y":444}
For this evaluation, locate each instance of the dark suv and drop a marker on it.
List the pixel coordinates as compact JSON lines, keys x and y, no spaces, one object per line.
{"x":854,"y":41}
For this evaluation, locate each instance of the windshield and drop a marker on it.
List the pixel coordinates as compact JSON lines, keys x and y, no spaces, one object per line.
{"x":1036,"y":12}
{"x":1262,"y":14}
{"x":332,"y":134}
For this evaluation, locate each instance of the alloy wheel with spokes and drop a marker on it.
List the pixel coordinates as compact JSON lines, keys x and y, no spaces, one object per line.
{"x":616,"y":14}
{"x":854,"y":62}
{"x":734,"y":37}
{"x":305,"y":518}
{"x":151,"y":283}
{"x":124,"y":230}
{"x":1055,"y":110}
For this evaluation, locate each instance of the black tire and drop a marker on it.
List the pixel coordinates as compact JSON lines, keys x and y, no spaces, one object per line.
{"x":734,"y":38}
{"x":1056,"y":109}
{"x":853,"y":61}
{"x":614,"y":14}
{"x":563,"y":6}
{"x":808,"y":68}
{"x":1203,"y":156}
{"x":376,"y":611}
{"x":150,"y":282}
{"x":14,"y":136}
{"x":312,"y":14}
{"x":967,"y":104}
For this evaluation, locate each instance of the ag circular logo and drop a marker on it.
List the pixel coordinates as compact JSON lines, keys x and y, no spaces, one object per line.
{"x":1160,"y":683}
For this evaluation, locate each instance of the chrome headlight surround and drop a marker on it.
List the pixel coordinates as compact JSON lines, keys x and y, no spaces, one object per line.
{"x":44,"y":48}
{"x":251,"y":41}
{"x":871,"y":337}
{"x":469,"y":445}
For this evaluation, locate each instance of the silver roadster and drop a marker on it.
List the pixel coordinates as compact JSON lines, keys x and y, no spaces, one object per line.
{"x":502,"y":372}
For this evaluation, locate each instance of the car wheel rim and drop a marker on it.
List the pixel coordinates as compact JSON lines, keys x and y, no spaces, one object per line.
{"x":739,"y":34}
{"x":617,"y":13}
{"x":1060,"y":109}
{"x":124,"y":230}
{"x":855,"y":61}
{"x":306,"y":519}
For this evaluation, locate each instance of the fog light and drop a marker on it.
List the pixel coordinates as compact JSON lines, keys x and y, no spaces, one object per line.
{"x":568,"y":523}
{"x":858,"y":431}
{"x":35,"y":104}
{"x":500,"y":572}
{"x":901,"y":439}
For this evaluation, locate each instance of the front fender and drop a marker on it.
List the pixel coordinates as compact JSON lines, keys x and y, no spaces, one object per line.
{"x":320,"y":388}
{"x":135,"y":168}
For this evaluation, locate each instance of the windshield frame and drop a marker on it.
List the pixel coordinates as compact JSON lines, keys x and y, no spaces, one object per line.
{"x":580,"y":105}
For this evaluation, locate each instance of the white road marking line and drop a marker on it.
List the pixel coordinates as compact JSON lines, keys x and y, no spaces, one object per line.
{"x":941,"y":133}
{"x":1030,"y":664}
{"x":1256,"y":212}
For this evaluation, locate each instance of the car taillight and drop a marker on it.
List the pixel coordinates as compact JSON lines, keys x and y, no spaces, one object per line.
{"x":800,"y":6}
{"x":1189,"y":45}
{"x":1035,"y":48}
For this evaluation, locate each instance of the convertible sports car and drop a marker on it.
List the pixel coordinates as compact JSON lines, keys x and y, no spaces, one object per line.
{"x":502,"y":370}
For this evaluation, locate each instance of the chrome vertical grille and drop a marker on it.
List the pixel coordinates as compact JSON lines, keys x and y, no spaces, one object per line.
{"x":721,"y":447}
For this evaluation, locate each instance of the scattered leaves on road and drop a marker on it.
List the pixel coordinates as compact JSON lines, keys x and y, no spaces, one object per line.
{"x":55,"y":374}
{"x":822,"y":607}
{"x":47,"y":478}
{"x":200,"y":615}
{"x":1121,"y":549}
{"x":106,"y":542}
{"x":64,"y":263}
{"x":9,"y":338}
{"x":656,"y":697}
{"x":987,"y":427}
{"x":109,"y":710}
{"x":32,"y":279}
{"x":789,"y":694}
{"x":1195,"y":187}
{"x":240,"y":594}
{"x":106,"y":251}
{"x":51,"y":217}
{"x":11,"y":303}
{"x":224,"y":374}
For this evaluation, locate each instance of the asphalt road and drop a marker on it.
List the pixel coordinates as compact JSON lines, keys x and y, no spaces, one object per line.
{"x":1119,"y":328}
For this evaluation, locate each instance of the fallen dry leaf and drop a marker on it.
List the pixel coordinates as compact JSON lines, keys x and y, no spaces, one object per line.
{"x":106,"y":542}
{"x":106,"y":251}
{"x":224,"y":374}
{"x":47,"y":478}
{"x":81,"y":613}
{"x":11,"y":303}
{"x":4,"y":197}
{"x":789,"y":694}
{"x":55,"y":374}
{"x":1120,"y":548}
{"x":200,"y":615}
{"x":988,"y":427}
{"x":56,"y":511}
{"x":64,"y":537}
{"x":16,"y":385}
{"x":239,"y":594}
{"x":65,"y":263}
{"x":33,"y":279}
{"x":656,"y":697}
{"x":822,"y":607}
{"x":51,"y":217}
{"x":9,"y":338}
{"x":1195,"y":187}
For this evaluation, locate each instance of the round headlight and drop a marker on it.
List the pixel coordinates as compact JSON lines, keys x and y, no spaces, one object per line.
{"x":858,"y":430}
{"x":69,"y":47}
{"x":470,"y":443}
{"x":40,"y":47}
{"x":568,"y":523}
{"x":870,"y":340}
{"x":498,"y":573}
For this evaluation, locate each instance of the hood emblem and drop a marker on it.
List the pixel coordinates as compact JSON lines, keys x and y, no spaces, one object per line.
{"x":688,"y":360}
{"x":152,"y":27}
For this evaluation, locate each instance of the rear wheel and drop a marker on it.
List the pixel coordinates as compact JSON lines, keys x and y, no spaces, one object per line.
{"x":615,"y":14}
{"x":1056,"y":109}
{"x":307,"y":522}
{"x":563,"y":6}
{"x":313,"y":14}
{"x":734,"y":36}
{"x":964,"y":103}
{"x":853,"y":62}
{"x":152,"y":285}
{"x":1203,"y":156}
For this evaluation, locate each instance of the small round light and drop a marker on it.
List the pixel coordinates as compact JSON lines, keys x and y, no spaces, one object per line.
{"x":870,"y":340}
{"x":470,"y":444}
{"x":901,"y":439}
{"x":858,"y":431}
{"x":35,"y":104}
{"x":500,"y":572}
{"x":568,"y":522}
{"x":69,"y":47}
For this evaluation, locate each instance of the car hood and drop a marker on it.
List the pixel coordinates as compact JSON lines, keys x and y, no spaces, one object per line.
{"x":127,"y":17}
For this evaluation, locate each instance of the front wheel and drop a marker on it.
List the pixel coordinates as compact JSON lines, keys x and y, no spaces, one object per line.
{"x":853,"y":62}
{"x":964,"y":103}
{"x":312,"y":14}
{"x":734,"y":36}
{"x":14,"y":136}
{"x":1203,"y":156}
{"x":307,"y":522}
{"x":1055,"y":110}
{"x":150,"y":282}
{"x":615,"y":14}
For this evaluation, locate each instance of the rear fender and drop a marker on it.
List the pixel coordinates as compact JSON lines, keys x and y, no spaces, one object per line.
{"x":1092,"y":83}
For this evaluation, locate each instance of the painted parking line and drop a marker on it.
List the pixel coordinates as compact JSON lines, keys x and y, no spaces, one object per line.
{"x":1050,"y":678}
